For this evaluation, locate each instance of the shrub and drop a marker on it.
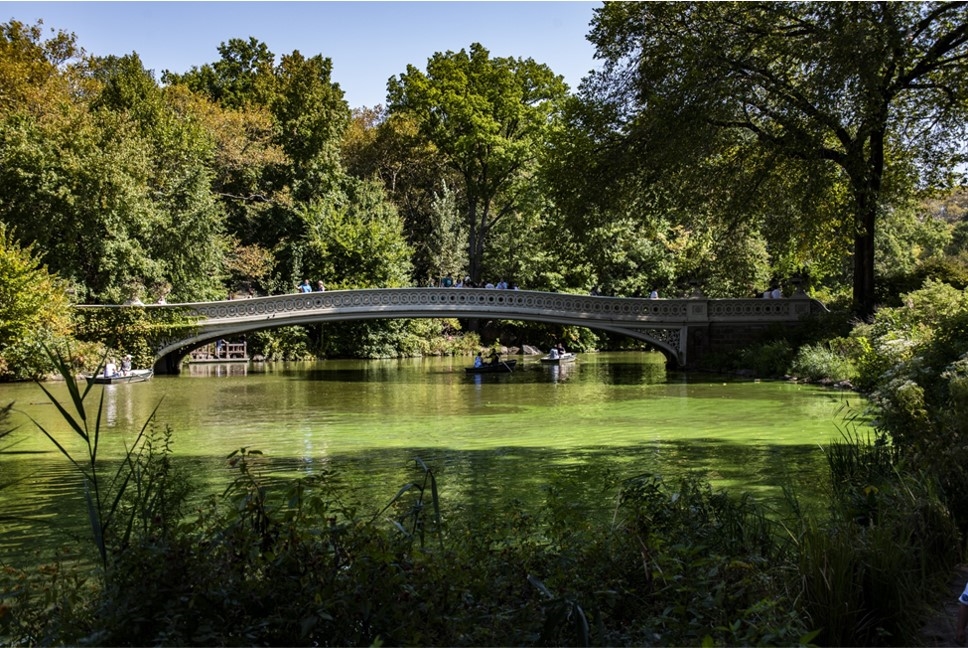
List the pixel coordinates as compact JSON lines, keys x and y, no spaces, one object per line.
{"x":821,"y":363}
{"x":911,"y":358}
{"x":283,"y":343}
{"x":34,"y":311}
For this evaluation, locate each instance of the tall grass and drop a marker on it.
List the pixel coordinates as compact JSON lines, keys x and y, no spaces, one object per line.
{"x":884,"y":550}
{"x":819,"y":362}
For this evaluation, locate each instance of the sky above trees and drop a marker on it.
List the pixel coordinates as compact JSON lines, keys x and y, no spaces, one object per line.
{"x":368,"y":42}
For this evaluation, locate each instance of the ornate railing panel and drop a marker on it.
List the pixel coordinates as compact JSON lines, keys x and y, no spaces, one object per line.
{"x":484,"y":302}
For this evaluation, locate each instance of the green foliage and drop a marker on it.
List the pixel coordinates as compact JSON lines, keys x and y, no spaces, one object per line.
{"x":375,"y":339}
{"x":296,"y":564}
{"x":750,"y":112}
{"x":952,"y":271}
{"x":769,"y":359}
{"x":282,"y":343}
{"x":138,"y":332}
{"x":823,"y":363}
{"x":733,"y":563}
{"x":34,"y":310}
{"x":627,"y":258}
{"x":53,"y":603}
{"x":448,"y":241}
{"x":911,"y":358}
{"x":924,"y":328}
{"x":389,"y":147}
{"x":31,"y":67}
{"x":354,"y":239}
{"x":888,"y":547}
{"x":488,"y":119}
{"x":365,"y":339}
{"x":908,"y":244}
{"x":122,"y":182}
{"x":435,"y":337}
{"x":285,"y":160}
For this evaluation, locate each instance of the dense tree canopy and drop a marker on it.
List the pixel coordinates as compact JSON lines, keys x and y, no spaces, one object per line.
{"x":354,"y":239}
{"x":104,"y":178}
{"x":293,"y":117}
{"x":868,"y":97}
{"x":413,"y":173}
{"x":488,"y":118}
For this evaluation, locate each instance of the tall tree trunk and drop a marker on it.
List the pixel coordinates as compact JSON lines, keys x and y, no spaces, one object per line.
{"x":864,"y":265}
{"x":477,"y":221}
{"x":868,"y":208}
{"x":473,"y":241}
{"x":867,"y":181}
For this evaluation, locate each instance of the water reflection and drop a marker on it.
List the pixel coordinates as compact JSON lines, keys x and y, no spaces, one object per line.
{"x":560,"y":372}
{"x":217,"y":370}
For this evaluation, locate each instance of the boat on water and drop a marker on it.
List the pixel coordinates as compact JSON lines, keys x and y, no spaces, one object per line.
{"x":558,"y":358}
{"x":132,"y":376}
{"x":507,"y":366}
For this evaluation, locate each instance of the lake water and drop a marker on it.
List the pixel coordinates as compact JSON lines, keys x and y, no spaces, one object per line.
{"x":488,"y":437}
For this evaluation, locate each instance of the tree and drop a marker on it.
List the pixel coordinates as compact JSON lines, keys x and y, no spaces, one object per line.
{"x":113,"y":187}
{"x":869,"y":95}
{"x":488,"y":118}
{"x":295,"y":117}
{"x":241,"y":77}
{"x":412,"y":170}
{"x":244,"y":159}
{"x":31,"y":74}
{"x":354,"y":239}
{"x":448,"y":239}
{"x":33,"y":309}
{"x":311,"y":115}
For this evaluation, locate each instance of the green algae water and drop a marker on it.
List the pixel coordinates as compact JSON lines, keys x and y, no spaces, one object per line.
{"x":489,"y":438}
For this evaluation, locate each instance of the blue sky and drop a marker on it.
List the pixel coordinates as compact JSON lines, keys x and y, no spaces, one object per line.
{"x":368,"y":42}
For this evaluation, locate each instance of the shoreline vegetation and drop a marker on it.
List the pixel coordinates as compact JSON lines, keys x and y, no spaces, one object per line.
{"x":675,"y":563}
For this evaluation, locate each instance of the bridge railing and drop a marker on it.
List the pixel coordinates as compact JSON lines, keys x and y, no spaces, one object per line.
{"x":471,"y":301}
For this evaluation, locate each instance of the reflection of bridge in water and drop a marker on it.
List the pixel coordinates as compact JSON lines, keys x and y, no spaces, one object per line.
{"x":682,"y":329}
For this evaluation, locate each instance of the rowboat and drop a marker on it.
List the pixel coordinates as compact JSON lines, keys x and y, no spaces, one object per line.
{"x":506,"y":366}
{"x":558,"y":359}
{"x":132,"y":376}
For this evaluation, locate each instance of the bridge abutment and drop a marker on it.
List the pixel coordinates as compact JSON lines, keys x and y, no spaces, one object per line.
{"x":169,"y":364}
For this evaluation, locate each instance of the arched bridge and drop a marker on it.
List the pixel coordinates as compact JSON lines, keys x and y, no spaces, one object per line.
{"x":683,"y":329}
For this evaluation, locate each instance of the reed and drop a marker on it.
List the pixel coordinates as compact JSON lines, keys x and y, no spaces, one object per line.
{"x":104,"y":488}
{"x":413,"y":523}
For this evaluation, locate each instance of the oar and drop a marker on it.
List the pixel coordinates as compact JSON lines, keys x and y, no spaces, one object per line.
{"x":510,"y":370}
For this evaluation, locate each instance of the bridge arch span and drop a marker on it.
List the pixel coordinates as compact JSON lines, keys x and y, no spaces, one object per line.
{"x":238,"y":317}
{"x":683,"y":329}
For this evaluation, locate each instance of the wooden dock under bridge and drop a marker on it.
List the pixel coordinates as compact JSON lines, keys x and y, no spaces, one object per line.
{"x":220,"y":351}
